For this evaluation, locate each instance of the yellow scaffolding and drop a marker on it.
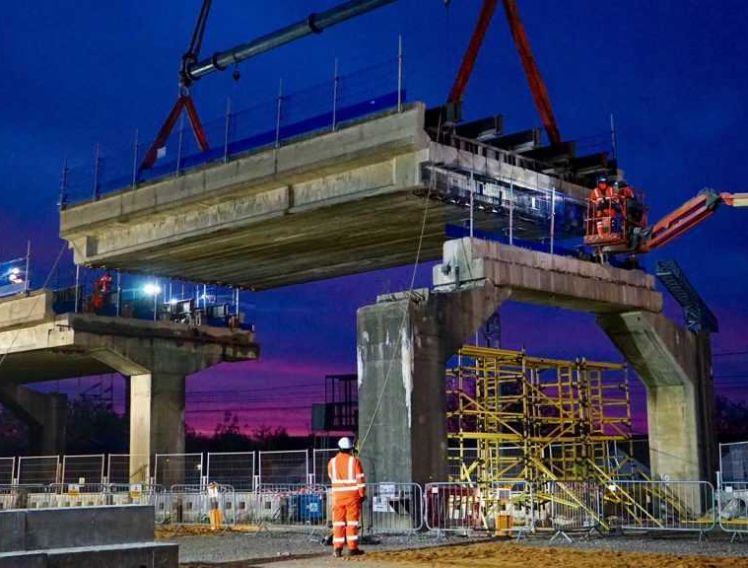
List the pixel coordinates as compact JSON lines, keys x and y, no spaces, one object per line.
{"x":512,"y":416}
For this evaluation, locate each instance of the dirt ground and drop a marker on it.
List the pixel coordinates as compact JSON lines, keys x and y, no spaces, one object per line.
{"x":509,"y":555}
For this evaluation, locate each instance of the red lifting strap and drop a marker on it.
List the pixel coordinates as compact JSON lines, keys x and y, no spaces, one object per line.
{"x":183,"y":102}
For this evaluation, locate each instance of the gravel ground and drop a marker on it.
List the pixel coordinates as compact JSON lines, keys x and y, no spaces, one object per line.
{"x":284,"y":549}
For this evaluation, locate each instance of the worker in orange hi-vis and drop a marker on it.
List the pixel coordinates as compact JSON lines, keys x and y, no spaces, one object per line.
{"x":602,"y":199}
{"x":348,"y":492}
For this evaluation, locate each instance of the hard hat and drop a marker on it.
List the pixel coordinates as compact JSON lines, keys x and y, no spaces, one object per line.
{"x":602,"y":179}
{"x":345,"y":444}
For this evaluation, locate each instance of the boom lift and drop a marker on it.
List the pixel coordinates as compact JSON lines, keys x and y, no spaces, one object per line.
{"x":618,"y":225}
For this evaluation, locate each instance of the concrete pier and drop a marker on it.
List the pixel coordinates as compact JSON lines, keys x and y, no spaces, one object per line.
{"x":404,"y":342}
{"x":39,"y":345}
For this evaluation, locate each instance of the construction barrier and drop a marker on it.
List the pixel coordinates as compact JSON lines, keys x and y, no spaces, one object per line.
{"x":178,"y":469}
{"x":660,"y":505}
{"x":232,"y":468}
{"x":288,"y":505}
{"x":133,"y":493}
{"x":732,"y":508}
{"x":392,"y":508}
{"x":286,"y":467}
{"x":211,"y":504}
{"x":569,"y":507}
{"x":501,"y":508}
{"x":7,"y":470}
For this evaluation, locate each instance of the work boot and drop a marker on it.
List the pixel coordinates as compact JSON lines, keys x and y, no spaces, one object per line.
{"x":355,"y":552}
{"x":337,"y":553}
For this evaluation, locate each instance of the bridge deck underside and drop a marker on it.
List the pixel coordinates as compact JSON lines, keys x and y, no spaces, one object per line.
{"x":359,"y":236}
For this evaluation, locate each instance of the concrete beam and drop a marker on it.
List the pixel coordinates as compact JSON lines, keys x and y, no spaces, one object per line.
{"x":546,"y":279}
{"x":404,"y":341}
{"x":675,"y":366}
{"x":45,"y":415}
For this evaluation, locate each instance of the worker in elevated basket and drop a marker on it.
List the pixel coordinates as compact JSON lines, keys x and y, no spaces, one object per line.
{"x":348,"y":492}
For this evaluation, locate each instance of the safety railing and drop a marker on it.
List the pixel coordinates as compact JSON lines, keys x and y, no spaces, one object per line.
{"x":291,"y":115}
{"x":569,"y":507}
{"x":38,"y":470}
{"x":660,"y":505}
{"x":83,"y":469}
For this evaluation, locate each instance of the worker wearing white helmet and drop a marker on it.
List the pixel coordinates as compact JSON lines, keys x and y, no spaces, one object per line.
{"x":348,"y":492}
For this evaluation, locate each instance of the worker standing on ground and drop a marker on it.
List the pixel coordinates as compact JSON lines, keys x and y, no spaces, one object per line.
{"x":348,"y":492}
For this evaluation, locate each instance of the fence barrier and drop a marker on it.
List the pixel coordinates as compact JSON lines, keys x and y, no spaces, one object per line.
{"x":7,"y":470}
{"x":38,"y":470}
{"x":284,"y":467}
{"x":83,"y":469}
{"x":232,"y":468}
{"x":392,"y":508}
{"x":178,"y":469}
{"x":503,"y":508}
{"x":194,"y":504}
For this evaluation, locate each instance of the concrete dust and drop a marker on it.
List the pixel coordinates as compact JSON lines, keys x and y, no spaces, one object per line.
{"x":510,"y":555}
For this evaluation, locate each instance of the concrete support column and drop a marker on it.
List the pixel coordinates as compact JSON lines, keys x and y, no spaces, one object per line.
{"x":45,"y":414}
{"x":156,"y":419}
{"x":404,"y":342}
{"x":675,"y":366}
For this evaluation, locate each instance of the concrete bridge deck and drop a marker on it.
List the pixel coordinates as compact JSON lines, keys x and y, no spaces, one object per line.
{"x":333,"y":204}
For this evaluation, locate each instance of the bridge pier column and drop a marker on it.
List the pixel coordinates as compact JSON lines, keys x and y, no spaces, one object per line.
{"x":675,"y":366}
{"x":156,"y":419}
{"x":403,"y":344}
{"x":45,"y":414}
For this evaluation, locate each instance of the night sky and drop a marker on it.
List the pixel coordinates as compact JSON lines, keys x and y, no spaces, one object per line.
{"x":672,"y":72}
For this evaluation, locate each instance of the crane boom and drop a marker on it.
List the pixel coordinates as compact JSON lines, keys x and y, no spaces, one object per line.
{"x":312,"y":24}
{"x":534,"y":78}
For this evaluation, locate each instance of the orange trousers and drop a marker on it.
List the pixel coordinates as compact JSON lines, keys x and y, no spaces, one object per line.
{"x":346,"y":520}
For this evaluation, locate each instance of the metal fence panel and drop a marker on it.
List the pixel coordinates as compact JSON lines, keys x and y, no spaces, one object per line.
{"x":290,"y":467}
{"x":504,"y":507}
{"x":192,"y":504}
{"x":392,"y":508}
{"x":320,"y":459}
{"x":133,"y":493}
{"x":232,"y":468}
{"x":732,"y":507}
{"x":289,"y":505}
{"x":83,"y":469}
{"x":661,"y":505}
{"x":733,"y":462}
{"x":38,"y":469}
{"x":118,"y":468}
{"x":178,"y":469}
{"x":7,"y":470}
{"x":571,"y":506}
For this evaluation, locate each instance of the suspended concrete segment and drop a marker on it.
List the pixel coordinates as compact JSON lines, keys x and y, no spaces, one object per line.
{"x":404,"y":341}
{"x":37,"y":345}
{"x":321,"y":206}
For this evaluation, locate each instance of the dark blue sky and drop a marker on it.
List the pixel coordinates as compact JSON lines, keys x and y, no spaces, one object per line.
{"x":673,"y":72}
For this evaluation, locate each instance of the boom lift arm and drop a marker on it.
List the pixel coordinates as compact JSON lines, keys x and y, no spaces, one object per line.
{"x":688,"y":215}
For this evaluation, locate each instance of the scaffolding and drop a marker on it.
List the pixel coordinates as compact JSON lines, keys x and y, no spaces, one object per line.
{"x":512,"y":416}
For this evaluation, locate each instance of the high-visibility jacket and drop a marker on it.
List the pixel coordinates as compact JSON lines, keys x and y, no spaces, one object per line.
{"x":347,"y":476}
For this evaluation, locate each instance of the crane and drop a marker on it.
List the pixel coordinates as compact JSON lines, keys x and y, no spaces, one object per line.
{"x":193,"y":68}
{"x":620,"y":225}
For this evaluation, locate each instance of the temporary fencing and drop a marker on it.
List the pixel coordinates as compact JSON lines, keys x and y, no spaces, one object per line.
{"x":570,"y":507}
{"x":118,"y":468}
{"x":320,"y":459}
{"x":178,"y":469}
{"x":232,"y":468}
{"x":289,"y":467}
{"x":660,"y":505}
{"x":392,"y":508}
{"x":7,"y":470}
{"x":38,"y":470}
{"x":501,"y":507}
{"x":83,"y":469}
{"x":193,"y":504}
{"x":732,"y":493}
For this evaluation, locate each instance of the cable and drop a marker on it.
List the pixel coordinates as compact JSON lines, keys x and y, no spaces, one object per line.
{"x":401,"y":327}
